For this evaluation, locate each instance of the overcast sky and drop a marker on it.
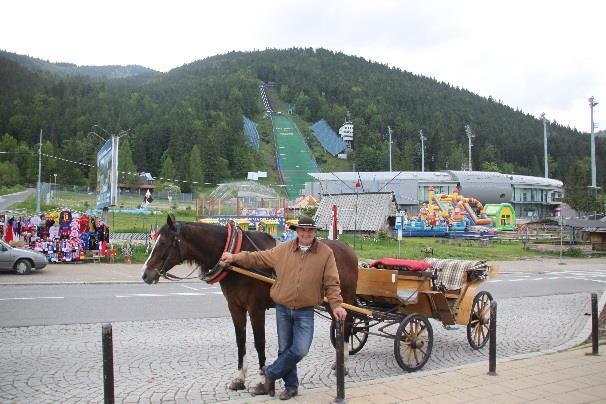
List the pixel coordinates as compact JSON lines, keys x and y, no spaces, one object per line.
{"x":537,"y":56}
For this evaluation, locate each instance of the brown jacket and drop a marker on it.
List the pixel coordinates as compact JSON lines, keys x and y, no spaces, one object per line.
{"x":302,"y":278}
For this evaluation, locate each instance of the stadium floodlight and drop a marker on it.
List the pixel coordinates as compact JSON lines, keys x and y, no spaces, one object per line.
{"x":470,"y":137}
{"x":545,"y":143}
{"x":423,"y":139}
{"x":593,"y":103}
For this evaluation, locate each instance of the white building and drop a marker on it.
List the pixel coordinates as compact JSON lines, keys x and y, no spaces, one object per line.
{"x":531,"y":197}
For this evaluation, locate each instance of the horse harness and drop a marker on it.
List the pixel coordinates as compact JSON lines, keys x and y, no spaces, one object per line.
{"x":233,"y":244}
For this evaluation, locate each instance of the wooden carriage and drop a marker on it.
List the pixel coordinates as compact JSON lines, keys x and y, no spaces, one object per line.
{"x":407,"y":293}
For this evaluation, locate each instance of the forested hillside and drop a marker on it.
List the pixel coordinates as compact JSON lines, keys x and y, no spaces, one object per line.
{"x":187,"y":123}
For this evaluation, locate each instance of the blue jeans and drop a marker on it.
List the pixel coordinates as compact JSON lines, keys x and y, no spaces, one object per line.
{"x":295,"y":334}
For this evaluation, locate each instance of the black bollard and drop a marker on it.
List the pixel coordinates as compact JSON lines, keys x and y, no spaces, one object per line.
{"x":594,"y":324}
{"x":108,"y":364}
{"x":340,"y":363}
{"x":492,"y":344}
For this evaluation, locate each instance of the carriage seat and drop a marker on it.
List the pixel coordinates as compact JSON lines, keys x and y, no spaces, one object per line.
{"x":450,"y":275}
{"x":404,"y":267}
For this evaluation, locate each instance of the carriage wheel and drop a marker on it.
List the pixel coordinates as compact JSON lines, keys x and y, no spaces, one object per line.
{"x":479,"y":320}
{"x":413,"y":343}
{"x":358,"y":337}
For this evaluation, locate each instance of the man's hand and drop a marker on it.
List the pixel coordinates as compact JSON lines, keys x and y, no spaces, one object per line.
{"x":227,"y":257}
{"x":340,"y":313}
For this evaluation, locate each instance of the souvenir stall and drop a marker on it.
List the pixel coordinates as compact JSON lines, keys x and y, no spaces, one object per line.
{"x":65,"y":236}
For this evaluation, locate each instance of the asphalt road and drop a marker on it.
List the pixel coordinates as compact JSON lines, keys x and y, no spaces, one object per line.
{"x":80,"y":303}
{"x":175,"y":342}
{"x":7,"y":201}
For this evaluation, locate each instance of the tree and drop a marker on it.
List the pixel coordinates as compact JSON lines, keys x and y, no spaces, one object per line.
{"x":126,"y":166}
{"x":577,"y":193}
{"x":168,"y":168}
{"x":196,"y":168}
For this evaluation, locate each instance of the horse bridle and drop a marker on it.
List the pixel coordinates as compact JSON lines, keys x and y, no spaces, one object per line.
{"x":163,"y":272}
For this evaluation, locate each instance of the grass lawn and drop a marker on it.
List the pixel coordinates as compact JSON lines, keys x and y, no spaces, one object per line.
{"x":412,"y":248}
{"x":367,"y":248}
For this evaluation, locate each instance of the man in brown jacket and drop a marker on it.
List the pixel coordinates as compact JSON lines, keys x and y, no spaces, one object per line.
{"x":305,"y":272}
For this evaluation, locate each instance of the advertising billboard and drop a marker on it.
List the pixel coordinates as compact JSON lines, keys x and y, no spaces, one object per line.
{"x":107,"y":174}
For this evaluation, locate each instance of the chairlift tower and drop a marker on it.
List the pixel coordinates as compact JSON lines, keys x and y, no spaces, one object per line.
{"x":423,"y":139}
{"x":593,"y":103}
{"x":470,"y":137}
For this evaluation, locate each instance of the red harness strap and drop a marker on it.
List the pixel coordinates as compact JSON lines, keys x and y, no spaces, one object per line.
{"x":232,"y":246}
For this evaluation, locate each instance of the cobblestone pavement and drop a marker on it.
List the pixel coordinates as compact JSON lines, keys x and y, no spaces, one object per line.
{"x":193,"y":360}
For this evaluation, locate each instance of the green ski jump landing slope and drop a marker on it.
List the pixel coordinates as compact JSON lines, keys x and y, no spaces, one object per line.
{"x":293,"y":156}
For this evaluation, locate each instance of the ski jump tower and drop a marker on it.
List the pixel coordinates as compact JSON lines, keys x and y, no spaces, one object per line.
{"x":346,"y":134}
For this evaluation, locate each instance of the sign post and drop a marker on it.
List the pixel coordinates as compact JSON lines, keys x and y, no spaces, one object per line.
{"x":398,"y":227}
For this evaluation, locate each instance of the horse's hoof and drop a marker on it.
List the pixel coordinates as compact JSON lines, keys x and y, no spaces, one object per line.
{"x":237,"y":384}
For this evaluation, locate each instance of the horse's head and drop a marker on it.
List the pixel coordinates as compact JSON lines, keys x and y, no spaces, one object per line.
{"x":165,"y":254}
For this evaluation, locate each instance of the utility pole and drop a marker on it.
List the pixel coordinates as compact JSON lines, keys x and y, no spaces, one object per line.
{"x":470,"y":137}
{"x":592,"y":103}
{"x":39,"y":173}
{"x":389,"y":132}
{"x":423,"y":138}
{"x":545,"y":143}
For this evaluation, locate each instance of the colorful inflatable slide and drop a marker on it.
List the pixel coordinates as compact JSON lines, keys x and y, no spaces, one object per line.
{"x":452,"y":215}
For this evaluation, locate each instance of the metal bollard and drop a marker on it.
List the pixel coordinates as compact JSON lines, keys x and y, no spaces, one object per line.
{"x":492,"y":343}
{"x":340,"y":363}
{"x":108,"y":363}
{"x":594,"y":324}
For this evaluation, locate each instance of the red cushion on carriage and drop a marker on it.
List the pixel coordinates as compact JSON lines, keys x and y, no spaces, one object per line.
{"x":401,"y":265}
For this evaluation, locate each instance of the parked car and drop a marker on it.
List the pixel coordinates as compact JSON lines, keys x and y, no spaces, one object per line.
{"x":20,"y":260}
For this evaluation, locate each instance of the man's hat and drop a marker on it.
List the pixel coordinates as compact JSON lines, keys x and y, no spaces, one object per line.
{"x":304,"y":223}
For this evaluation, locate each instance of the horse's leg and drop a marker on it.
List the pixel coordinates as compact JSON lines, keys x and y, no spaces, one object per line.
{"x":238,"y":316}
{"x":257,"y":321}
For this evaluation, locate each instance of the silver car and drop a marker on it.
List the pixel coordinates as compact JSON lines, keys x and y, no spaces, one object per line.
{"x":20,"y":260}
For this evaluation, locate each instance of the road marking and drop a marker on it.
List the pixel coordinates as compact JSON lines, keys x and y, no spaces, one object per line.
{"x":170,"y":294}
{"x":32,"y":298}
{"x":188,"y":287}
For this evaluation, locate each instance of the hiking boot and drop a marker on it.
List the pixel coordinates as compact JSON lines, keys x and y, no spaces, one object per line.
{"x":267,"y":387}
{"x":288,"y":393}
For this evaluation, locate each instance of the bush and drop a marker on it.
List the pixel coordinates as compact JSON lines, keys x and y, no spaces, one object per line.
{"x":573,"y":252}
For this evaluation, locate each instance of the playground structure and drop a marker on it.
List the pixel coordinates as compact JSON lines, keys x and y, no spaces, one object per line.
{"x":250,"y":205}
{"x":452,"y":215}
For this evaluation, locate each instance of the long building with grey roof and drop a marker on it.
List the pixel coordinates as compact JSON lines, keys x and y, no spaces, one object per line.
{"x":532,"y":197}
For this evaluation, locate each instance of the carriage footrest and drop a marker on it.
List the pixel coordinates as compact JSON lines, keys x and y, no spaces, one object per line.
{"x":440,"y":303}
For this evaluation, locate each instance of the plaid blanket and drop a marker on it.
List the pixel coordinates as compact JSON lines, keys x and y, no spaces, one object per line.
{"x":450,"y":274}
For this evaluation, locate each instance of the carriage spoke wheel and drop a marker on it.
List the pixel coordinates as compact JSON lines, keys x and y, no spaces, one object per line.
{"x":479,"y":320}
{"x":358,"y":336}
{"x":413,"y":342}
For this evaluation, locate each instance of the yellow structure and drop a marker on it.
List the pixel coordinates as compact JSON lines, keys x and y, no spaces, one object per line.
{"x":242,"y":223}
{"x":270,"y":226}
{"x":208,"y":220}
{"x":503,"y":215}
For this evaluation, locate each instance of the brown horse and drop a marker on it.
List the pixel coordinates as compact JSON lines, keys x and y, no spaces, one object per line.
{"x":202,"y":244}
